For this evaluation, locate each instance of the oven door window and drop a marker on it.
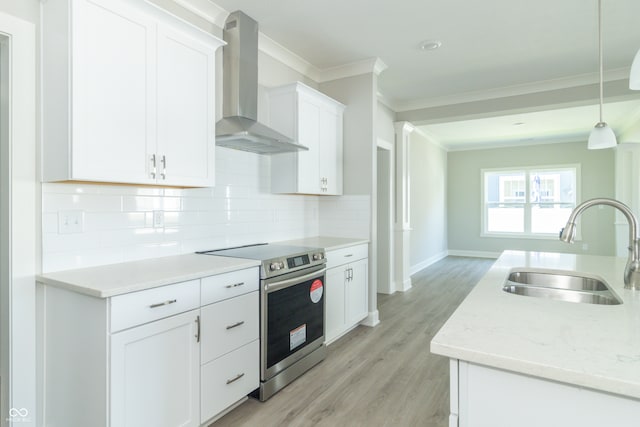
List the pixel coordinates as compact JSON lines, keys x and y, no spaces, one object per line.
{"x":295,"y":317}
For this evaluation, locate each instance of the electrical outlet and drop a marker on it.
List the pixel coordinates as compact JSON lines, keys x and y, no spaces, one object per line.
{"x":158,"y":219}
{"x":70,"y":222}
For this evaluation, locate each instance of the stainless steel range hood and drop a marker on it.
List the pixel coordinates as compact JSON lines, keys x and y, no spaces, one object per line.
{"x":239,"y":127}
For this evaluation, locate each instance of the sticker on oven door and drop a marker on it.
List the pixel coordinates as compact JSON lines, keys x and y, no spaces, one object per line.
{"x":316,"y":291}
{"x":298,"y":336}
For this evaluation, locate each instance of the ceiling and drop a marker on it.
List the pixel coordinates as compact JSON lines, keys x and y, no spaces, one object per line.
{"x":489,"y":49}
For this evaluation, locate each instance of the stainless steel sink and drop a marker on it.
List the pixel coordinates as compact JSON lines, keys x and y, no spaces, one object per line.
{"x":557,"y":280}
{"x":563,"y":286}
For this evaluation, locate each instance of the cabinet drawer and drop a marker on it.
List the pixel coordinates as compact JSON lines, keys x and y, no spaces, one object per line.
{"x":228,"y":379}
{"x":136,"y":308}
{"x":347,"y":255}
{"x":228,"y":285}
{"x":228,"y":324}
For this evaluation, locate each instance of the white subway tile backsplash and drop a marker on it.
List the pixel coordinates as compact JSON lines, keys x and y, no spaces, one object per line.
{"x":239,"y":210}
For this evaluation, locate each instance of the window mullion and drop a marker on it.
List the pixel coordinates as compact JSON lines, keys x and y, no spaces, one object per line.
{"x":527,"y":203}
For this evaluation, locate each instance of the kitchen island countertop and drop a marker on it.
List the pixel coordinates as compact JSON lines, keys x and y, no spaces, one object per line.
{"x":594,"y":346}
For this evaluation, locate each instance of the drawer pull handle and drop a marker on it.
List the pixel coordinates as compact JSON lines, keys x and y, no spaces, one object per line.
{"x":347,"y":256}
{"x":160,"y":304}
{"x":235,"y":285}
{"x":237,"y":377}
{"x":235,"y":325}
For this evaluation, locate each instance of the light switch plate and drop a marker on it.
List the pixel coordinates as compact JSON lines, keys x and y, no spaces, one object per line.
{"x":70,"y":222}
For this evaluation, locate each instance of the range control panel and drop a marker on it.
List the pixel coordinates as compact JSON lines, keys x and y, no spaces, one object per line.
{"x":296,"y":262}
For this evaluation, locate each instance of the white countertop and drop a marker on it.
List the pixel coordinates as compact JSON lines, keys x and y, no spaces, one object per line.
{"x":327,"y":242}
{"x":595,"y":346}
{"x":115,"y":279}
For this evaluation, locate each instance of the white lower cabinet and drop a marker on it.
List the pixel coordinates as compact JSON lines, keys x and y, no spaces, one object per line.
{"x":229,"y":352}
{"x":483,"y":396}
{"x":155,"y":374}
{"x":174,"y":355}
{"x":347,"y":290}
{"x":228,"y":378}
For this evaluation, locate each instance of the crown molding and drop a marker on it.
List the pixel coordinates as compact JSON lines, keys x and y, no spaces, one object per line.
{"x":274,"y":49}
{"x":404,"y":127}
{"x":515,"y":144}
{"x":366,"y":66}
{"x":429,"y":137}
{"x":206,"y":10}
{"x":523,"y":89}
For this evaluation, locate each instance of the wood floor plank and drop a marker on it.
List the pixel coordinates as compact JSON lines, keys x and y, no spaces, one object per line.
{"x":382,"y":376}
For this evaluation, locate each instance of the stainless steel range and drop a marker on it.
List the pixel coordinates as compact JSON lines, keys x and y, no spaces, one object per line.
{"x":292,"y":310}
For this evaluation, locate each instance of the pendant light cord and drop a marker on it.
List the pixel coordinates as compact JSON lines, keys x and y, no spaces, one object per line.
{"x":600,"y":56}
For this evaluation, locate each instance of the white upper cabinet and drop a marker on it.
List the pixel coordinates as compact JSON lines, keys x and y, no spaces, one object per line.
{"x":314,"y":120}
{"x":128,"y":95}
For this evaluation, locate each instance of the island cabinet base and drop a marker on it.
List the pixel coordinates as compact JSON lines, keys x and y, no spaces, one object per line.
{"x":490,"y":397}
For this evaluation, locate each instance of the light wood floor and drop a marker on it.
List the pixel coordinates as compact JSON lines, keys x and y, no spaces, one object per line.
{"x":382,"y":376}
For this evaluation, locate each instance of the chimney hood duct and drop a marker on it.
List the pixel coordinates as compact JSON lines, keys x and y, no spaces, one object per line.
{"x":239,"y":127}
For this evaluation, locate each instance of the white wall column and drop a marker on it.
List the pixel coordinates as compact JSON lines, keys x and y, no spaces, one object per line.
{"x":627,"y":190}
{"x":402,"y":220}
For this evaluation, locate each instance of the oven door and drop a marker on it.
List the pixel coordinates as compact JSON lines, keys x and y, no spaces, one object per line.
{"x":292,"y":319}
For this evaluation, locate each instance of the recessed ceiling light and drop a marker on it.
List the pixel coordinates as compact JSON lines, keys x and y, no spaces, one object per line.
{"x":518,"y":123}
{"x":430,"y":44}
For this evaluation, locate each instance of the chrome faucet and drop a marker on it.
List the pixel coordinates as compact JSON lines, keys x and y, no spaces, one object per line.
{"x":632,"y":269}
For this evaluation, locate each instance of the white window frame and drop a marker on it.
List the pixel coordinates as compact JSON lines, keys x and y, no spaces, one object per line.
{"x":527,"y":234}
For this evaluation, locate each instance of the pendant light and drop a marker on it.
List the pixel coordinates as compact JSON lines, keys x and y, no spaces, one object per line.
{"x":602,"y":135}
{"x":634,"y":77}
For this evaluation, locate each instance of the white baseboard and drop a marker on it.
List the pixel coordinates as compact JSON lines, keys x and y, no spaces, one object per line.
{"x":404,"y":286}
{"x":372,"y":319}
{"x":427,"y":262}
{"x":474,"y":254}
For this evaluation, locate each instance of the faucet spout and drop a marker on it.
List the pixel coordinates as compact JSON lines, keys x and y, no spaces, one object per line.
{"x":632,"y":269}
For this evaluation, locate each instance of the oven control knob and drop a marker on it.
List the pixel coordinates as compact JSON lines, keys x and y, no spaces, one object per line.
{"x":317,"y":257}
{"x":274,"y":266}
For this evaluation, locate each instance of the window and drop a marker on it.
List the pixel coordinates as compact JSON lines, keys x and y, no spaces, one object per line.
{"x":532,"y":201}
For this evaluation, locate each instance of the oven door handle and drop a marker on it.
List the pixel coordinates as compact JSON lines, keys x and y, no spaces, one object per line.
{"x":276,"y":286}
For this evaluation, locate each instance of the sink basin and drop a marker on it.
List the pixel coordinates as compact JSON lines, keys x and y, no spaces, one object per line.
{"x":600,"y":297}
{"x":557,"y":280}
{"x":562,"y":286}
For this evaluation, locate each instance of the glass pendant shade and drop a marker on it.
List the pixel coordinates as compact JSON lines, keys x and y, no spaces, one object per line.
{"x":634,"y":77}
{"x":601,"y":136}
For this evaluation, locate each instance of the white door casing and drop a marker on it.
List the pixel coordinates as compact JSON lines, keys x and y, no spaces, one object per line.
{"x":18,"y":222}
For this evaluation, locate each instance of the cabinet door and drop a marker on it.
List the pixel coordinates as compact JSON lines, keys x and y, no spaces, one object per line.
{"x":335,"y":320}
{"x":186,"y":115}
{"x":155,"y":371}
{"x":308,"y":135}
{"x":113,"y":48}
{"x":331,"y":151}
{"x":357,"y":292}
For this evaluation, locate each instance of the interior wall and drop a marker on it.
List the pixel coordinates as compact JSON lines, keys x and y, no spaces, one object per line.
{"x":464,"y":197}
{"x":384,"y":123}
{"x":358,"y":93}
{"x":28,"y":10}
{"x":428,"y":202}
